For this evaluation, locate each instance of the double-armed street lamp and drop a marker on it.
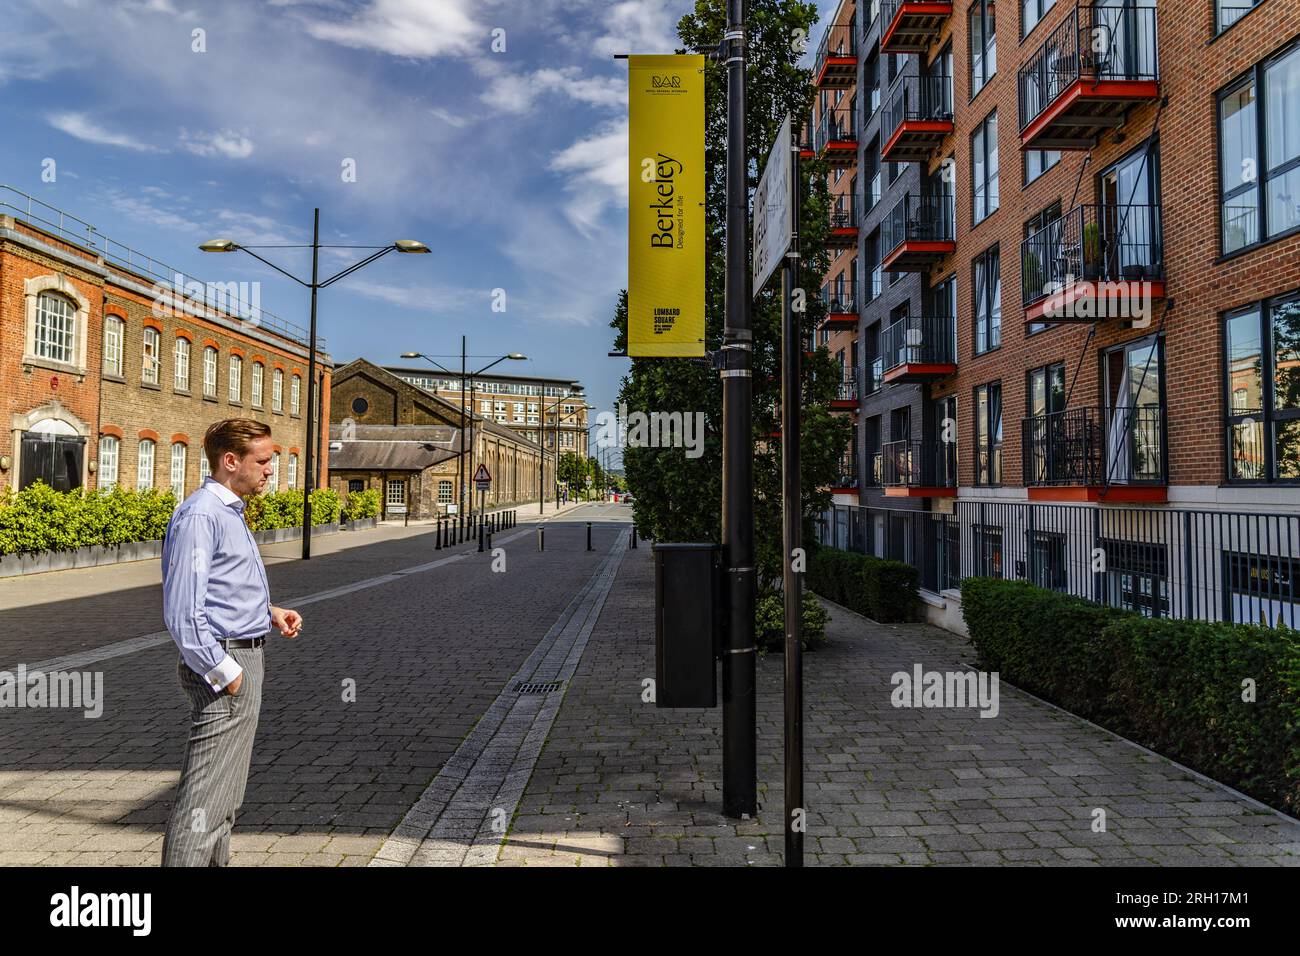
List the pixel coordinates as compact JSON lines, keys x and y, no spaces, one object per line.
{"x":229,"y":245}
{"x":465,"y":376}
{"x":578,"y":393}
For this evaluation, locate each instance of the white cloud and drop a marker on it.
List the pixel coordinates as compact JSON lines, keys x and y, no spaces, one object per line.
{"x":440,"y":298}
{"x":410,"y":28}
{"x":226,"y":143}
{"x":639,"y":26}
{"x":517,"y":92}
{"x":82,"y":127}
{"x":450,"y":118}
{"x":597,"y":168}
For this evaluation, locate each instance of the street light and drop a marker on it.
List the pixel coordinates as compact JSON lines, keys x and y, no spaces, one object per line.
{"x":512,"y":356}
{"x":229,"y":245}
{"x":577,"y":392}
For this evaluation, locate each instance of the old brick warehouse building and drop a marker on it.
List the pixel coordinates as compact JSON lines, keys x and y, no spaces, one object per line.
{"x":1102,"y":216}
{"x":108,"y":378}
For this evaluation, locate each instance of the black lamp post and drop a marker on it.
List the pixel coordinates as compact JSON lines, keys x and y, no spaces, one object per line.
{"x":465,"y":376}
{"x":227,"y":245}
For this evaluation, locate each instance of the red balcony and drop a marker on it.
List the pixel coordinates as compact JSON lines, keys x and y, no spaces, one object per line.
{"x":910,"y":26}
{"x":837,"y":57}
{"x":920,"y":469}
{"x":917,"y":118}
{"x":841,"y":306}
{"x":846,"y":393}
{"x":844,"y":222}
{"x":1113,"y":455}
{"x":837,"y":138}
{"x":1093,"y":264}
{"x":917,"y":233}
{"x":919,"y":349}
{"x":1082,"y":81}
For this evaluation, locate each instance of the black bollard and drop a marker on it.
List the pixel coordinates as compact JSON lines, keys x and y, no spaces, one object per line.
{"x":541,"y":539}
{"x":634,"y":536}
{"x":437,"y":537}
{"x":481,"y":529}
{"x":588,"y":535}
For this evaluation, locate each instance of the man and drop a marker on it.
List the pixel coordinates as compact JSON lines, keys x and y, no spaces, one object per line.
{"x":218,"y":610}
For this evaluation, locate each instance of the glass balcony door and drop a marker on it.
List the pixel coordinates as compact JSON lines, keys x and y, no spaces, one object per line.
{"x":1135,"y":426}
{"x":1129,"y":237}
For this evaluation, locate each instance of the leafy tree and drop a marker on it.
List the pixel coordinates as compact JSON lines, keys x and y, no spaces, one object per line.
{"x":679,"y":498}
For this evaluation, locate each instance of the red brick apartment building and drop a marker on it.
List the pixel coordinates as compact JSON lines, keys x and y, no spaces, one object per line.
{"x":109,"y":378}
{"x":1106,"y":226}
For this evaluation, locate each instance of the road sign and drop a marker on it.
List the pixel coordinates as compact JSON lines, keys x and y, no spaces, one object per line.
{"x":482,"y":479}
{"x":773,"y":221}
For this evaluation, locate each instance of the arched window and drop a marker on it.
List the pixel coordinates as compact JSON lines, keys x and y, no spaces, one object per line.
{"x":178,"y":469}
{"x":205,"y":470}
{"x":295,"y":388}
{"x":56,"y":326}
{"x":236,"y":377}
{"x":181,"y":378}
{"x":293,"y":471}
{"x":113,"y":333}
{"x":149,"y":357}
{"x":277,"y":390}
{"x":144,"y":464}
{"x":108,"y":449}
{"x":210,"y":372}
{"x":258,"y":370}
{"x":273,"y":483}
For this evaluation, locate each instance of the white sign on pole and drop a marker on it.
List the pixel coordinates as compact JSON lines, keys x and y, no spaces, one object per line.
{"x":773,"y":222}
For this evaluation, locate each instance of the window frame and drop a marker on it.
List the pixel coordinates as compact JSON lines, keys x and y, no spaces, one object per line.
{"x":150,"y":375}
{"x":979,"y":438}
{"x":178,"y":492}
{"x":140,"y":459}
{"x":1267,"y":415}
{"x":257,"y":385}
{"x":210,"y":388}
{"x":110,"y":450}
{"x":986,"y":75}
{"x":994,"y":303}
{"x":67,"y":333}
{"x":114,"y":346}
{"x":235,"y":378}
{"x":990,"y":159}
{"x":181,"y":361}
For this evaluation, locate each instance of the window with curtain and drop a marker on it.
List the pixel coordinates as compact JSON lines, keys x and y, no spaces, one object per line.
{"x":983,"y":44}
{"x":108,"y":457}
{"x":181,"y":374}
{"x":149,"y":357}
{"x":1039,"y":161}
{"x":988,"y":434}
{"x":1031,"y":11}
{"x":984,"y":167}
{"x":1228,"y":12}
{"x":113,"y":337}
{"x":988,"y":301}
{"x":56,"y":327}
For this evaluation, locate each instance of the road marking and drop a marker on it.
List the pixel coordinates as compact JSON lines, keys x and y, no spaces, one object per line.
{"x":461,"y":818}
{"x":131,"y":645}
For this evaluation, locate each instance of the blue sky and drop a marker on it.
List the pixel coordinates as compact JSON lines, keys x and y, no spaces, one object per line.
{"x":510,"y":165}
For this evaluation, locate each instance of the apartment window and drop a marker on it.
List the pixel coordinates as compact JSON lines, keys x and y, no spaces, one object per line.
{"x":988,"y":434}
{"x":178,"y":470}
{"x":181,"y":374}
{"x":983,"y":45}
{"x":519,"y":411}
{"x":1031,"y":11}
{"x":256,"y":397}
{"x":1262,"y":377}
{"x":1039,"y":161}
{"x":277,"y":390}
{"x":210,"y":372}
{"x":984,"y":167}
{"x":1259,"y":154}
{"x":149,"y":357}
{"x":1228,"y":12}
{"x":144,"y":464}
{"x":56,"y":326}
{"x":988,"y":301}
{"x":273,"y":483}
{"x":1047,"y":390}
{"x":113,"y":334}
{"x":1038,"y":258}
{"x":108,"y":456}
{"x":236,"y":376}
{"x":293,"y":471}
{"x":295,"y":393}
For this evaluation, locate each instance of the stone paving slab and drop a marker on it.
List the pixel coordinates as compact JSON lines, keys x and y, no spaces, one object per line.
{"x":622,"y":783}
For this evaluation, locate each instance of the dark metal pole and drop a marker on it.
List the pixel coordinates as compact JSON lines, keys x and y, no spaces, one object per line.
{"x":470,"y":470}
{"x":462,"y":424}
{"x":309,"y":483}
{"x":792,"y":532}
{"x":739,"y":714}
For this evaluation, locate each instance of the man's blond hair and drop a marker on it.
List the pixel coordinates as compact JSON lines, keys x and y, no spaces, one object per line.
{"x":233,"y":434}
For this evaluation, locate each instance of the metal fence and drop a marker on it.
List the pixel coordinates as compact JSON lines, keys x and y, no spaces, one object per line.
{"x":1158,"y":562}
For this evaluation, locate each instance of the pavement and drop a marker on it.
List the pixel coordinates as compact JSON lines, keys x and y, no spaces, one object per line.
{"x":450,"y":708}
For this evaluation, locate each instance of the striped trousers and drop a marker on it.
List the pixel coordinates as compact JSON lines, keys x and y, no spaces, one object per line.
{"x":215,"y":771}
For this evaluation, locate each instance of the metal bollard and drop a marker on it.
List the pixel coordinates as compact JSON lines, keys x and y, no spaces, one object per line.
{"x":437,"y":537}
{"x":481,"y":531}
{"x":541,"y":539}
{"x":588,"y":535}
{"x":634,"y":536}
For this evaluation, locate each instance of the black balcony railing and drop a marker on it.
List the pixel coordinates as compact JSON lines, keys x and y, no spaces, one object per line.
{"x":848,"y":477}
{"x":920,"y":340}
{"x":841,"y":299}
{"x":920,"y":464}
{"x":1099,"y":44}
{"x":844,"y":211}
{"x":925,"y":218}
{"x":1095,"y":447}
{"x":839,"y":40}
{"x":848,"y":389}
{"x":1106,"y":243}
{"x":836,"y":126}
{"x":918,"y":98}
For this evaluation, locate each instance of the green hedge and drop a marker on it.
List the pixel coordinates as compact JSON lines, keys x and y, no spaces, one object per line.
{"x":1173,"y":686}
{"x":38,"y":518}
{"x":769,"y":622}
{"x":881,"y":590}
{"x":283,"y":509}
{"x":361,"y":504}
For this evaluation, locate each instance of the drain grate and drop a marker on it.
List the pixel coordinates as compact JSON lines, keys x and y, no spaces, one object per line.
{"x":537,"y":687}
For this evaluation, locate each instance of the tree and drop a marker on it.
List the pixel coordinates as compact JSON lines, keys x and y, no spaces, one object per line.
{"x":573,"y":471}
{"x":677,"y":498}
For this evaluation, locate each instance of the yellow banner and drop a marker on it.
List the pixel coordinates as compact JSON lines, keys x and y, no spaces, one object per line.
{"x":665,"y":249}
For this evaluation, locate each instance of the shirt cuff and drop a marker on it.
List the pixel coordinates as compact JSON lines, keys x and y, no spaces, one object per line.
{"x":223,"y":674}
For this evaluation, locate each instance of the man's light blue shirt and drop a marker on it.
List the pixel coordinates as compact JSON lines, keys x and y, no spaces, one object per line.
{"x":214,"y":582}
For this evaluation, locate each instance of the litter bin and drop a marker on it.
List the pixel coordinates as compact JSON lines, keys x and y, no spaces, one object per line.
{"x":686,"y":624}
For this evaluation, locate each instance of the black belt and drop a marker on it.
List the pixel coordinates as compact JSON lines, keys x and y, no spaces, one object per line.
{"x":242,"y":643}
